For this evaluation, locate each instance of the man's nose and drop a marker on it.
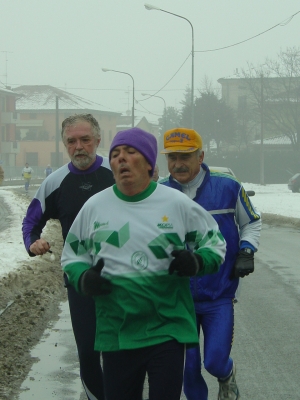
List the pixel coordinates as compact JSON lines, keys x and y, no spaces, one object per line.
{"x":78,"y":144}
{"x":121,"y":156}
{"x":178,"y":162}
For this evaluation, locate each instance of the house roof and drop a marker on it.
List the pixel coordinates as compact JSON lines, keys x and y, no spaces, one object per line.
{"x":7,"y":91}
{"x":43,"y":97}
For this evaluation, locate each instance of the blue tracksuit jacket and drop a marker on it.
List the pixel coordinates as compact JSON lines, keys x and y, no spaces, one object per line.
{"x":227,"y":201}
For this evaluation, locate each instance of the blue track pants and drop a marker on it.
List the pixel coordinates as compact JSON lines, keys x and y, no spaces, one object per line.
{"x":216,"y":319}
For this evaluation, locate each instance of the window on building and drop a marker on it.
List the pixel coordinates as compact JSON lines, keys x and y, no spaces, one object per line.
{"x":43,"y":135}
{"x":32,"y":116}
{"x":18,"y":134}
{"x":31,"y":134}
{"x":54,"y":159}
{"x":3,"y":133}
{"x":2,"y":104}
{"x":32,"y":158}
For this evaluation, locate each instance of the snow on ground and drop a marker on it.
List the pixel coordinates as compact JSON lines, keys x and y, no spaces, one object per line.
{"x":12,"y":250}
{"x":273,"y":199}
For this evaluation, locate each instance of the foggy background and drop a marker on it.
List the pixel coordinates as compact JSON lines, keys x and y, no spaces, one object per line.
{"x":66,"y":43}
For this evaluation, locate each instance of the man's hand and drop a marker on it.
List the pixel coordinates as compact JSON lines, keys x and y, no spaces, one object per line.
{"x":185,"y":263}
{"x":39,"y":247}
{"x":92,"y":283}
{"x":244,"y":264}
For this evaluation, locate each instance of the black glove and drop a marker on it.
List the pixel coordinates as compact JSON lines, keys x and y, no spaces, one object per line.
{"x":244,"y":264}
{"x":185,"y":263}
{"x":92,"y":283}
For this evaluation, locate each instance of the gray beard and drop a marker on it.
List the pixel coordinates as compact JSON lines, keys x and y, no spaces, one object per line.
{"x":83,"y":163}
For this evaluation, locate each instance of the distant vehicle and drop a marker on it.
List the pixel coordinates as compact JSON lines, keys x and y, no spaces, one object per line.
{"x":294,"y":183}
{"x":226,"y":170}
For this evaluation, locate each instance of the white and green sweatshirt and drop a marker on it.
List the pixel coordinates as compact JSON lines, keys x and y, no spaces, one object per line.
{"x":135,"y":236}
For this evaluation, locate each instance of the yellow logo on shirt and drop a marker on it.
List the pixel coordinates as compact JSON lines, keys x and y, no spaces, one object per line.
{"x":165,"y":224}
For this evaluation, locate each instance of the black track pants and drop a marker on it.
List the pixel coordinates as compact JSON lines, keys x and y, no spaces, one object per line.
{"x":125,"y":371}
{"x":82,"y":310}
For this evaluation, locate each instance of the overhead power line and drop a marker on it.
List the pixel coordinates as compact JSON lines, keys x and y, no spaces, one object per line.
{"x":149,"y":112}
{"x":283,"y":23}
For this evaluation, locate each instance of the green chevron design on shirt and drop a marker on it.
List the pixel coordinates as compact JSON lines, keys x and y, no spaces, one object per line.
{"x":102,"y":236}
{"x":117,"y":239}
{"x":79,"y":247}
{"x":97,"y":247}
{"x":159,"y":244}
{"x":197,"y":238}
{"x":191,"y":236}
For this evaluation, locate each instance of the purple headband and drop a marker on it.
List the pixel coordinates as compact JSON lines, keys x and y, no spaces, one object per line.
{"x":141,"y":140}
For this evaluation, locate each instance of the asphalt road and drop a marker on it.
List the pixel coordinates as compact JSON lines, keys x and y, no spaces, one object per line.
{"x":267,"y":335}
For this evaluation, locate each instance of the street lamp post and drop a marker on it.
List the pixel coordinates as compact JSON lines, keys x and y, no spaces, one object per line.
{"x":160,"y":158}
{"x":165,"y":107}
{"x":262,"y":158}
{"x":57,"y":132}
{"x":150,"y":7}
{"x":126,"y":73}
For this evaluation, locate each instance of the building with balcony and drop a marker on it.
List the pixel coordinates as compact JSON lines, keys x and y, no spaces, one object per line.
{"x":9,"y":147}
{"x":40,"y":110}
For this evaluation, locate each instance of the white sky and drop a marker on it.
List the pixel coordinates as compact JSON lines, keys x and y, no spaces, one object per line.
{"x":274,"y":199}
{"x":65,"y":43}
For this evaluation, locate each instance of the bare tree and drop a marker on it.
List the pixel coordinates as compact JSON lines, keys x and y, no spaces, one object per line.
{"x":274,"y":94}
{"x":247,"y":122}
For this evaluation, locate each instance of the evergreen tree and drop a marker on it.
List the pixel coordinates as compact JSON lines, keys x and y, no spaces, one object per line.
{"x":214,"y":120}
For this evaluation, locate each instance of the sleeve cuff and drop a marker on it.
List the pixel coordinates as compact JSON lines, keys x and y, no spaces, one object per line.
{"x":244,"y":244}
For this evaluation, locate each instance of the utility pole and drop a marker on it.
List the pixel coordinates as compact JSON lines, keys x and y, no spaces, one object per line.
{"x":57,"y":134}
{"x":6,"y":61}
{"x":262,"y":160}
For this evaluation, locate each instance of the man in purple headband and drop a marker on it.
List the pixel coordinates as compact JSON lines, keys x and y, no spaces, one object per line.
{"x":135,"y":257}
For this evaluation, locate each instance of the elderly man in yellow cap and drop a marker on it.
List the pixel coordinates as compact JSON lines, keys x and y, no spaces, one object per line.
{"x":240,"y":224}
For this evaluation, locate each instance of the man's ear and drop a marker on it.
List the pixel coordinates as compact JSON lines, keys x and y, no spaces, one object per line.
{"x":201,"y":158}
